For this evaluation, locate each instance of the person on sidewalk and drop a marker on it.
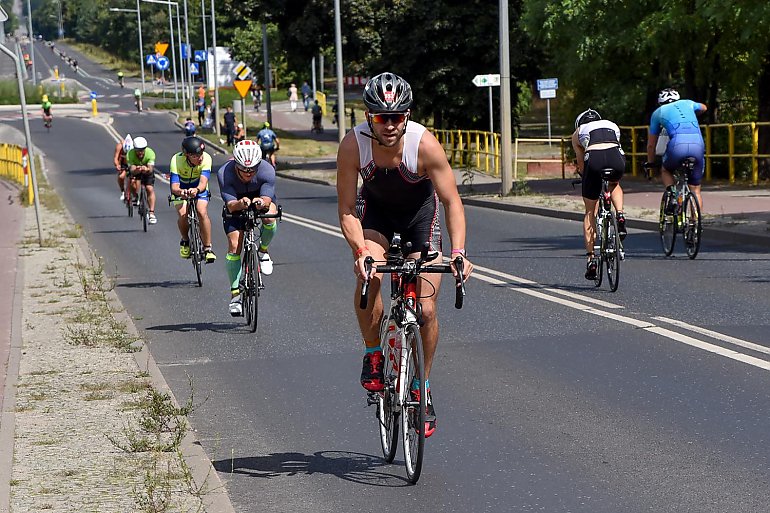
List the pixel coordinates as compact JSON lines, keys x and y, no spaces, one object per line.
{"x":240,"y":133}
{"x":200,"y":105}
{"x":596,"y":142}
{"x":293,"y":97}
{"x":246,"y":180}
{"x":230,"y":121}
{"x":396,"y":158}
{"x":305,"y":89}
{"x":678,"y":118}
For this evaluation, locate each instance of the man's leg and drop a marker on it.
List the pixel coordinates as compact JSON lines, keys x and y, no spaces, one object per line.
{"x":233,"y":267}
{"x":121,"y":180}
{"x":181,"y":221}
{"x":589,"y":235}
{"x":616,"y":193}
{"x":370,"y":317}
{"x":205,"y":226}
{"x":151,"y":197}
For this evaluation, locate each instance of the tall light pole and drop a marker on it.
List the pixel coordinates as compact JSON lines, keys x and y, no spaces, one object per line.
{"x":205,"y":38}
{"x":266,"y":68}
{"x":189,"y":60}
{"x":216,"y":71}
{"x":141,"y":49}
{"x":171,"y":29}
{"x":340,"y":89}
{"x":31,"y":41}
{"x":505,"y":101}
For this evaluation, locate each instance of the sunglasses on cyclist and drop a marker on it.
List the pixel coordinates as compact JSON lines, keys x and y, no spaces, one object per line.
{"x":245,"y":170}
{"x":395,"y":118}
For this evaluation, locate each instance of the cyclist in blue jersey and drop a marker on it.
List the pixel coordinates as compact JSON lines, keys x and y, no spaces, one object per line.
{"x":268,"y":142}
{"x":678,"y":118}
{"x":244,"y":180}
{"x":190,"y":172}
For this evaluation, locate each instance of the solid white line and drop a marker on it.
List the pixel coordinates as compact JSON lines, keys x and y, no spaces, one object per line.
{"x":304,"y":222}
{"x":716,"y":335}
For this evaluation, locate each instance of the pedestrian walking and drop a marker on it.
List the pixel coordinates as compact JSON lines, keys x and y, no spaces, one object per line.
{"x":293,"y":97}
{"x":230,"y":121}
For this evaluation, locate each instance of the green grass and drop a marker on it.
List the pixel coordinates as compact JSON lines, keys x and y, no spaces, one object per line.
{"x":105,"y":58}
{"x":9,"y":93}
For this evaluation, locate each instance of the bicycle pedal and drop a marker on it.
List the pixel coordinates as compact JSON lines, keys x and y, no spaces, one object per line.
{"x":371,"y":398}
{"x":622,"y":255}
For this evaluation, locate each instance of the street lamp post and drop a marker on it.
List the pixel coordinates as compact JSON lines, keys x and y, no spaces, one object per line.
{"x":31,"y":41}
{"x":141,"y":49}
{"x":216,"y":71}
{"x":340,"y":89}
{"x":171,"y":29}
{"x":189,"y":59}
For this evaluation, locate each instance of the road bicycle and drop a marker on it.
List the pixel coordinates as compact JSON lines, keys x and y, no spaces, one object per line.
{"x":608,"y":248}
{"x":317,"y":127}
{"x":194,"y":235}
{"x":403,"y":352}
{"x":142,"y":206}
{"x":251,"y":274}
{"x":680,"y":212}
{"x":128,"y":191}
{"x":47,"y":121}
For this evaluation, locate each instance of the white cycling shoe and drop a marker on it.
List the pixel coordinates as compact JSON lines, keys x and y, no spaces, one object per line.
{"x":265,"y":263}
{"x":236,"y":309}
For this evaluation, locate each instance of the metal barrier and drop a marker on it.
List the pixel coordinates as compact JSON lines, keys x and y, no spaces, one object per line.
{"x":723,"y":149}
{"x":471,"y":149}
{"x":564,"y":143}
{"x":13,"y":167}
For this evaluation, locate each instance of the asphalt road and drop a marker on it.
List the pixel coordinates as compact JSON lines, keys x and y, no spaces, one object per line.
{"x":551,"y":395}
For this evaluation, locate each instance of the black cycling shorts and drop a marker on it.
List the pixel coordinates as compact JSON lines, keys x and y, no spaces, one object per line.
{"x":146,"y":178}
{"x":592,"y":172}
{"x":418,"y":227}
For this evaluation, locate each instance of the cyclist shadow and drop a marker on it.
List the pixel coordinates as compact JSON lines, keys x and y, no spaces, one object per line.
{"x":350,"y":466}
{"x":167,"y":284}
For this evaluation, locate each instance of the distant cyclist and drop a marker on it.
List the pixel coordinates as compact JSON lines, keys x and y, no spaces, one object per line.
{"x":138,"y":99}
{"x":317,"y":115}
{"x":190,"y":172}
{"x":120,"y":79}
{"x":678,"y":118}
{"x":244,"y":180}
{"x":119,"y":161}
{"x":596,"y":142}
{"x":141,"y":165}
{"x":268,"y":142}
{"x":189,"y":127}
{"x":46,"y":106}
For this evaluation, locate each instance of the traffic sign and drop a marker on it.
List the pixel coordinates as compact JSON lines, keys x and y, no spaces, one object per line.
{"x":93,"y":95}
{"x":185,"y":51}
{"x":200,"y":55}
{"x":547,"y":83}
{"x":3,"y":15}
{"x":161,"y":48}
{"x":546,"y":94}
{"x":242,"y":86}
{"x":487,"y":80}
{"x":151,"y":60}
{"x":242,"y":71}
{"x":162,"y":63}
{"x":194,"y":69}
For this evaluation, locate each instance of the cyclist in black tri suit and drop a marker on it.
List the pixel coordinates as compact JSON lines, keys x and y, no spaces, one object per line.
{"x":405,"y":174}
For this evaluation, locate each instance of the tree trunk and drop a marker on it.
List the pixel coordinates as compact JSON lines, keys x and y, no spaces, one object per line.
{"x":763,"y":114}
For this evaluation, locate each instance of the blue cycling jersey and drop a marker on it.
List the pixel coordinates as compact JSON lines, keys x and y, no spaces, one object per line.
{"x":676,"y":117}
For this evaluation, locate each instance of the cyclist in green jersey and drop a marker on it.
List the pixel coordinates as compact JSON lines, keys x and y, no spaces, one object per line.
{"x":46,"y":105}
{"x":190,"y":172}
{"x":141,"y":165}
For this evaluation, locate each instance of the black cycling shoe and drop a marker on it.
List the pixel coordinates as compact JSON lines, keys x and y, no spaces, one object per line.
{"x":591,"y":268}
{"x":622,"y":226}
{"x":371,"y":373}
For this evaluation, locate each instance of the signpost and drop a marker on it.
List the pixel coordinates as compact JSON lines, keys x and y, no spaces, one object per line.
{"x":194,"y":69}
{"x":162,"y":63}
{"x":488,"y":81}
{"x":547,"y":88}
{"x":242,"y":85}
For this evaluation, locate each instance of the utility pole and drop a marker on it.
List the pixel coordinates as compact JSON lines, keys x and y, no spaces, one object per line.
{"x":505,"y":102}
{"x":31,"y":42}
{"x":266,"y":60}
{"x":340,"y":89}
{"x":216,"y":71}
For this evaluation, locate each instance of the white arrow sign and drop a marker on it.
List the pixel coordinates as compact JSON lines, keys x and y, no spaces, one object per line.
{"x":486,"y":80}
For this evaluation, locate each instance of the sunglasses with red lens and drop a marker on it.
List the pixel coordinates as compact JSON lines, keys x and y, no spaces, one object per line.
{"x":394,"y":118}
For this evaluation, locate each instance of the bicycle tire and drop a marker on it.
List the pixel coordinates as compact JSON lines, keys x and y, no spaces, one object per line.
{"x":612,"y":253}
{"x":387,"y":411}
{"x":253,"y":286}
{"x":196,"y":247}
{"x":413,"y":415}
{"x":243,"y":286}
{"x":128,"y":191}
{"x":599,"y":260}
{"x":693,"y":228}
{"x":143,"y":206}
{"x":666,"y":226}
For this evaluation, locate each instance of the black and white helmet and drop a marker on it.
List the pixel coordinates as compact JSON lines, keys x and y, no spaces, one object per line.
{"x":247,"y":153}
{"x":586,"y":117}
{"x":387,"y":92}
{"x":667,"y":96}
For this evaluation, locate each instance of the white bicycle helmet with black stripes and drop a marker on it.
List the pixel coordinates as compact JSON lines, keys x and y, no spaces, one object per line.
{"x":247,"y":153}
{"x":667,"y":96}
{"x":586,"y":117}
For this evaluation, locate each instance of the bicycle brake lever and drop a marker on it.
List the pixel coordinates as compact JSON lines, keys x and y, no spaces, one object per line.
{"x":368,"y":262}
{"x":459,"y":291}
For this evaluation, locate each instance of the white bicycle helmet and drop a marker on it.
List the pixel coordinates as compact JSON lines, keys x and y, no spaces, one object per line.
{"x":140,"y":143}
{"x":247,"y":153}
{"x":128,"y":143}
{"x":667,"y":96}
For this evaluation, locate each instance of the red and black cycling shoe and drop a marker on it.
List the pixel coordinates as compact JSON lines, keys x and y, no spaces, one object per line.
{"x":430,"y":413}
{"x":371,"y":373}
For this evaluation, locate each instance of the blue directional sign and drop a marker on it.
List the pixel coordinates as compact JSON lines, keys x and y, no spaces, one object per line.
{"x":185,"y":51}
{"x":151,"y":60}
{"x":200,"y":55}
{"x":194,"y":69}
{"x":162,"y":63}
{"x":93,"y":95}
{"x":547,"y":83}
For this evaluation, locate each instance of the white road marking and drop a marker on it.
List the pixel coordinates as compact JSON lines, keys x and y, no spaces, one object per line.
{"x":716,"y":335}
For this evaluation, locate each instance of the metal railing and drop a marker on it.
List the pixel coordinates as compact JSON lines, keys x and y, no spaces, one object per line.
{"x":471,"y":149}
{"x":13,"y":167}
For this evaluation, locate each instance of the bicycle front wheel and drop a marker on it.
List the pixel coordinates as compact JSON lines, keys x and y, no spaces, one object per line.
{"x":387,"y":404}
{"x":196,"y":250}
{"x":611,"y":253}
{"x":412,"y":408}
{"x":692,"y":225}
{"x":667,"y":226}
{"x":128,"y":192}
{"x":252,"y":286}
{"x":143,"y":206}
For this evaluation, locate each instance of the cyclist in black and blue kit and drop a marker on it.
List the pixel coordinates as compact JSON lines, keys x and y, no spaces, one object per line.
{"x":244,"y":180}
{"x":405,"y":175}
{"x":678,"y":118}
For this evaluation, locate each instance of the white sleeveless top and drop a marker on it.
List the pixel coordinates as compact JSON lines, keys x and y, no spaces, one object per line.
{"x":408,"y":165}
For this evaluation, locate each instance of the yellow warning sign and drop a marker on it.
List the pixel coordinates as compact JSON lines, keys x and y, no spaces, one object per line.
{"x":242,"y":86}
{"x":161,"y":48}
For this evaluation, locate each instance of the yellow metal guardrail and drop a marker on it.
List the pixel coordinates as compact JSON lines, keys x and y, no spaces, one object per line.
{"x":13,"y":166}
{"x":471,"y":148}
{"x":724,"y":141}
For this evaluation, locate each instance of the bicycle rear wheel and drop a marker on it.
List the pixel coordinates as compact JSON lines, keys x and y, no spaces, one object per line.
{"x":196,"y":250}
{"x":128,"y":191}
{"x":667,"y":226}
{"x":253,"y":290}
{"x":598,"y":256}
{"x":692,"y":228}
{"x":611,"y":253}
{"x":413,"y":412}
{"x":387,"y":409}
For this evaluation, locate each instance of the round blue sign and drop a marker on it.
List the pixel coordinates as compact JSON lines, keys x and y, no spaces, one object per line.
{"x":93,"y":95}
{"x":163,"y":63}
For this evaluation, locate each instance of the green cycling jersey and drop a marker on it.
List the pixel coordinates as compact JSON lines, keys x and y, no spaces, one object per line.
{"x":186,"y":175}
{"x":148,"y":159}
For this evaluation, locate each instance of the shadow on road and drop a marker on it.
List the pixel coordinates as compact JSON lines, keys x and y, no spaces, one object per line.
{"x":216,"y":327}
{"x":350,"y":466}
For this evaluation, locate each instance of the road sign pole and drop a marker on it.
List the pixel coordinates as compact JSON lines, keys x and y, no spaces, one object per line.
{"x":548,"y":113}
{"x":491,"y":117}
{"x":141,"y":46}
{"x":216,"y":71}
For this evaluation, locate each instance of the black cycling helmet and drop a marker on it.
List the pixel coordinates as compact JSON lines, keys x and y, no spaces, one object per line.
{"x":193,"y":145}
{"x":387,"y":92}
{"x":586,"y":117}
